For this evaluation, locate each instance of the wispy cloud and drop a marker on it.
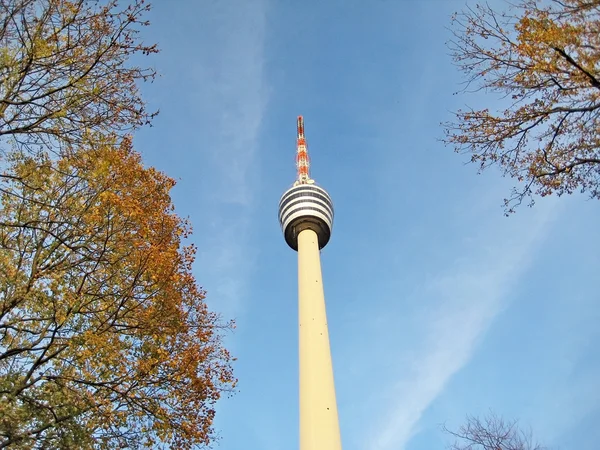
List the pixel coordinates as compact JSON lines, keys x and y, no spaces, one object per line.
{"x":461,"y":304}
{"x":230,"y":78}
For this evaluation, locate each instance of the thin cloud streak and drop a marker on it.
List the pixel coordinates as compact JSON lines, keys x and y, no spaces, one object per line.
{"x":231,"y":78}
{"x":462,"y":303}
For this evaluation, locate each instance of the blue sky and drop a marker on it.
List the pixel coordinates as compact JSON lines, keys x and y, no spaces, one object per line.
{"x":438,"y":305}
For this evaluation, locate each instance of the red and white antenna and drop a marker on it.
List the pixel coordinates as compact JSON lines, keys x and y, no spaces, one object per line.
{"x":302,"y":161}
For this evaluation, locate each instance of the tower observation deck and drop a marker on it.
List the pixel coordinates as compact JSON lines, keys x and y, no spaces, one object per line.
{"x":306,"y":218}
{"x":305,"y":205}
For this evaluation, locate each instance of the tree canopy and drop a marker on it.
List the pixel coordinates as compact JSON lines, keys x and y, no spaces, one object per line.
{"x":105,"y":338}
{"x":66,"y":72}
{"x":104,"y":335}
{"x":492,"y":432}
{"x":543,"y":59}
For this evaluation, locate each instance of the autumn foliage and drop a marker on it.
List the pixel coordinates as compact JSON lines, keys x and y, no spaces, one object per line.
{"x":65,"y":71}
{"x":104,"y":335}
{"x":105,"y":338}
{"x":543,"y":59}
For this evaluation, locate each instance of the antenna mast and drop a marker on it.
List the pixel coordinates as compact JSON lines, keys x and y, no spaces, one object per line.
{"x":302,"y":161}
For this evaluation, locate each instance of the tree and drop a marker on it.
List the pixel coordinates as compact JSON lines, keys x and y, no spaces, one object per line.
{"x":491,"y":433}
{"x":105,"y":340}
{"x":65,"y":75}
{"x":543,"y":58}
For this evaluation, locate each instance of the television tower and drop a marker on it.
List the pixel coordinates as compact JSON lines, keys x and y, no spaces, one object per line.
{"x":306,"y":218}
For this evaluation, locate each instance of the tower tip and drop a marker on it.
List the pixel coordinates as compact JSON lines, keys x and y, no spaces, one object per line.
{"x":302,"y":161}
{"x":300,"y":126}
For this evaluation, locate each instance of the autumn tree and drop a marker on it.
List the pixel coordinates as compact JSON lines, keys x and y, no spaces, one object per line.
{"x":66,"y":74}
{"x":542,"y":58}
{"x":105,"y":340}
{"x":491,"y":432}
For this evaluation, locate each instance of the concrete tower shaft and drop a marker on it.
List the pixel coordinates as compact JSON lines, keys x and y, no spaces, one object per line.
{"x":319,"y":422}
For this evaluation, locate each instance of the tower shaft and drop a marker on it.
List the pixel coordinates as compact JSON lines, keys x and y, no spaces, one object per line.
{"x":319,"y":425}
